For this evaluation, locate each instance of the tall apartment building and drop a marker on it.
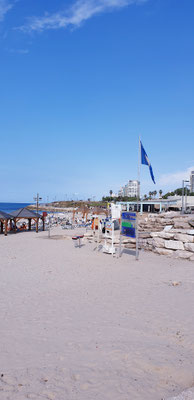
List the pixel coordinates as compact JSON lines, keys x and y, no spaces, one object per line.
{"x":130,"y":189}
{"x":192,"y":181}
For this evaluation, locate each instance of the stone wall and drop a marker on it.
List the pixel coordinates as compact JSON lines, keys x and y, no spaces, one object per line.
{"x":169,"y":234}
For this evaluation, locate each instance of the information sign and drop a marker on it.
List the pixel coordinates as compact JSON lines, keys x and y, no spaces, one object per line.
{"x":129,"y":228}
{"x":128,"y":224}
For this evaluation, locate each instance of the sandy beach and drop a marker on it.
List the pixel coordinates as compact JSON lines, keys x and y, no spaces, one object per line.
{"x":80,"y":324}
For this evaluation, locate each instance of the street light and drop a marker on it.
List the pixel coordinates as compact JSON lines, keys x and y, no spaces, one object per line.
{"x":37,"y":199}
{"x":183,"y":191}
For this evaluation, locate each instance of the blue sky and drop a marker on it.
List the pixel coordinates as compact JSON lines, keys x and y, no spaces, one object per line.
{"x":80,"y":81}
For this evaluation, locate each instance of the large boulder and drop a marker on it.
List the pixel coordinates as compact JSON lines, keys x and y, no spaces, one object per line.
{"x":154,"y":234}
{"x":189,"y":246}
{"x":182,"y":254}
{"x":190,"y":232}
{"x":174,"y":245}
{"x":163,"y":251}
{"x":183,"y":237}
{"x":181,"y":224}
{"x":166,"y":235}
{"x":158,"y":242}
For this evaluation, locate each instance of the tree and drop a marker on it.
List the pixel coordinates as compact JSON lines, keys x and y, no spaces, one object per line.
{"x":150,"y":195}
{"x":160,"y":192}
{"x":155,"y":193}
{"x":111,"y":193}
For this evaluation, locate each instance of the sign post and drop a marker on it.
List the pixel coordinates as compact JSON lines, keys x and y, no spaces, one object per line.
{"x":129,"y":228}
{"x":109,"y":234}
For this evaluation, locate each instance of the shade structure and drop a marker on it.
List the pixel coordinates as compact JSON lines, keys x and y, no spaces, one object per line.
{"x":4,"y":218}
{"x":24,"y":213}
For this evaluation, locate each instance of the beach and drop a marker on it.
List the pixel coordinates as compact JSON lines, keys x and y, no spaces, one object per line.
{"x":80,"y":324}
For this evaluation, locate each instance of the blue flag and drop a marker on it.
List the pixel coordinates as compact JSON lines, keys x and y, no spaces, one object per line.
{"x":145,"y":161}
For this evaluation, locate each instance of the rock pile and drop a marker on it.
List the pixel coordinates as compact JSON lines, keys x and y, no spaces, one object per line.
{"x":169,"y":234}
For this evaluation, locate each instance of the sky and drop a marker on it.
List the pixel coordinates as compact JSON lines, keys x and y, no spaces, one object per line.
{"x":80,"y":82}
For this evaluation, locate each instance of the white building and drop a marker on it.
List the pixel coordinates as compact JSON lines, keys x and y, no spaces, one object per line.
{"x":192,"y":181}
{"x":130,"y":189}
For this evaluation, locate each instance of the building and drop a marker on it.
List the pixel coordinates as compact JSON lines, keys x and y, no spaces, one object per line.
{"x":192,"y":181}
{"x":130,"y":189}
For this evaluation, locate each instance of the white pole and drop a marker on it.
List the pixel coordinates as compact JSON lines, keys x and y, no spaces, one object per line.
{"x":138,"y":198}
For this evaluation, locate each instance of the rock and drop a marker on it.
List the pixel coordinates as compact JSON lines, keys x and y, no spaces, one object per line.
{"x":168,"y":228}
{"x":190,"y":232}
{"x":191,"y":222}
{"x":183,"y":237}
{"x":154,"y":234}
{"x":182,"y":254}
{"x":179,"y":230}
{"x":175,"y":283}
{"x":144,"y":235}
{"x":189,"y":247}
{"x":181,"y":224}
{"x":174,"y":244}
{"x":166,"y":235}
{"x":158,"y":242}
{"x":163,"y":251}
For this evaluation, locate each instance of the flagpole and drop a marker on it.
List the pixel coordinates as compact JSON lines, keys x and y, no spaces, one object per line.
{"x":138,"y":197}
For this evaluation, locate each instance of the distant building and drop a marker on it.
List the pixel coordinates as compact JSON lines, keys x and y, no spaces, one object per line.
{"x":192,"y":181}
{"x":130,"y":189}
{"x":121,"y":192}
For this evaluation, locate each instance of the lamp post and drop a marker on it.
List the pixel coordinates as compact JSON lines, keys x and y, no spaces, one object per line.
{"x":183,"y":190}
{"x":37,"y":199}
{"x":186,"y":187}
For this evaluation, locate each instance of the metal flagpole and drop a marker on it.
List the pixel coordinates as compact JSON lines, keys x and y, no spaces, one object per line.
{"x":138,"y":198}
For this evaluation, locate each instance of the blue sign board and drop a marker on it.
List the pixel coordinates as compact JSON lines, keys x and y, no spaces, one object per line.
{"x":128,"y":224}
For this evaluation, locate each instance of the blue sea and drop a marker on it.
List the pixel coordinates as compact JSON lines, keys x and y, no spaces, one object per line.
{"x":8,"y":207}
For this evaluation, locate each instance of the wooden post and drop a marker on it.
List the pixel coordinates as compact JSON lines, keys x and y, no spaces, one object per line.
{"x":6,"y":227}
{"x":29,"y":224}
{"x":73,"y":215}
{"x":1,"y":227}
{"x":15,"y":225}
{"x":36,"y":225}
{"x":10,"y":224}
{"x":43,"y":223}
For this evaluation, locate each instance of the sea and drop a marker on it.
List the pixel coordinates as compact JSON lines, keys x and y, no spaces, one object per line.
{"x":8,"y":207}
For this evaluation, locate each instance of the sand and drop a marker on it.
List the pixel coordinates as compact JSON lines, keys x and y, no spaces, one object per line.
{"x":80,"y":324}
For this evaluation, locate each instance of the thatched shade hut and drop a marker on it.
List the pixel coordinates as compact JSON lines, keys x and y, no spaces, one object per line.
{"x":4,"y":218}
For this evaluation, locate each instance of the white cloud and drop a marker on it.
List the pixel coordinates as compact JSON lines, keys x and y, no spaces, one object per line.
{"x":80,"y":11}
{"x":175,"y":178}
{"x":5,"y":6}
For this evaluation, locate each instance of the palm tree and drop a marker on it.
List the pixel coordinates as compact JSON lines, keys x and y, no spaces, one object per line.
{"x":110,"y":193}
{"x":145,"y":196}
{"x":160,"y":192}
{"x":155,"y":193}
{"x":150,"y":194}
